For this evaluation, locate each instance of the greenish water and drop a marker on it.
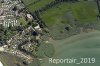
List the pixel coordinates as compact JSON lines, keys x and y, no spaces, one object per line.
{"x":85,"y":45}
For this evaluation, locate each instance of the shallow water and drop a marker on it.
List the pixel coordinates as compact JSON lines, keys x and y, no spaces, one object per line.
{"x":85,"y":45}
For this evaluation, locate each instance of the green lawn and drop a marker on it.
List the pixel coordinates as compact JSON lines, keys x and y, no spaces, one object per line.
{"x":82,"y":11}
{"x":55,"y":14}
{"x":32,"y":7}
{"x":85,"y":11}
{"x":22,"y":20}
{"x":3,"y":60}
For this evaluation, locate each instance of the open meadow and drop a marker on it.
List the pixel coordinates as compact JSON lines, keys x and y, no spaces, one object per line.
{"x":81,"y":11}
{"x":33,"y":5}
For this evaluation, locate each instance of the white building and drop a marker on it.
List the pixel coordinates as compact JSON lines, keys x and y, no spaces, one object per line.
{"x":10,"y":22}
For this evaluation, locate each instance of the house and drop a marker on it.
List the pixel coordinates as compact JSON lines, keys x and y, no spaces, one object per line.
{"x":38,"y":27}
{"x":1,"y":11}
{"x":1,"y":20}
{"x":10,"y":22}
{"x":29,"y":16}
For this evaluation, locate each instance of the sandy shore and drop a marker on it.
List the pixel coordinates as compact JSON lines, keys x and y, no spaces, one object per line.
{"x":1,"y":49}
{"x":1,"y":64}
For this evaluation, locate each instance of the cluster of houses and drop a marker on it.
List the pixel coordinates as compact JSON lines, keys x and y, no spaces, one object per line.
{"x":7,"y":19}
{"x":7,"y":15}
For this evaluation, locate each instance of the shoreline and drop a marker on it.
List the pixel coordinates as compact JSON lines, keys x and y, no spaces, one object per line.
{"x":1,"y":64}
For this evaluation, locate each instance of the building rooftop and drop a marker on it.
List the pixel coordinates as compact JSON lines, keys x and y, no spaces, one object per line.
{"x":1,"y":11}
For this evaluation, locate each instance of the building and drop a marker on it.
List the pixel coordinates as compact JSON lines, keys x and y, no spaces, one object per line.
{"x":1,"y":11}
{"x":10,"y":22}
{"x":7,"y":17}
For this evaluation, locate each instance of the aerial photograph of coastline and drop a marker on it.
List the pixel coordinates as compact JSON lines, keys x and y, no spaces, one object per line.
{"x":49,"y":32}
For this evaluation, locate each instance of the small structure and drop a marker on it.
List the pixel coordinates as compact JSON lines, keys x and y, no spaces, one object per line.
{"x":29,"y":16}
{"x":38,"y":27}
{"x":1,"y":11}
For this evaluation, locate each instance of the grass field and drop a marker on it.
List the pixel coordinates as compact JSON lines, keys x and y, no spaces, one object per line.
{"x":82,"y":11}
{"x":86,"y":45}
{"x":35,"y":6}
{"x":22,"y":21}
{"x":3,"y":60}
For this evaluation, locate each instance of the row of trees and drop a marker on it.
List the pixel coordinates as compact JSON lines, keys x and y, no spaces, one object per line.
{"x":98,"y":5}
